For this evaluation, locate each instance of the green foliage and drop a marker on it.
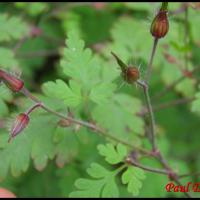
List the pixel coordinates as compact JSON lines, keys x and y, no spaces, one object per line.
{"x":103,"y":183}
{"x":104,"y":186}
{"x":133,"y":176}
{"x":196,"y":103}
{"x":71,"y":96}
{"x":68,"y":65}
{"x":7,"y":58}
{"x":113,"y":156}
{"x":11,"y":28}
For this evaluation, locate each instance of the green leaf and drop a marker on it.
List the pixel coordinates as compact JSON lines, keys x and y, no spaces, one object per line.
{"x":66,"y":145}
{"x":11,"y":28}
{"x":3,"y":108}
{"x":103,"y":185}
{"x":78,"y":62}
{"x":70,"y":95}
{"x":102,"y":92}
{"x":7,"y":59}
{"x":33,"y":9}
{"x":127,"y":42}
{"x":195,"y":107}
{"x":133,"y":177}
{"x":97,"y":171}
{"x":113,"y":155}
{"x":35,"y":141}
{"x":119,"y":117}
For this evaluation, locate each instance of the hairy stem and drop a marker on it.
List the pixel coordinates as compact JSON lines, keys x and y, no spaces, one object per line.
{"x":149,"y":68}
{"x":150,"y":111}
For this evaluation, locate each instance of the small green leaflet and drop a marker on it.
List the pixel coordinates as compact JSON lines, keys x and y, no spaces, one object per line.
{"x":133,"y":177}
{"x":88,"y":75}
{"x":7,"y":59}
{"x":103,"y":185}
{"x":120,"y":114}
{"x":79,"y":63}
{"x":113,"y":155}
{"x":71,"y":95}
{"x":100,"y":93}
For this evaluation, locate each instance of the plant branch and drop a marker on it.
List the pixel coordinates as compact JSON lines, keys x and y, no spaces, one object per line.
{"x":172,"y":174}
{"x":190,"y":174}
{"x":173,"y":103}
{"x":80,"y":122}
{"x":173,"y":84}
{"x":149,"y":68}
{"x":167,"y":105}
{"x":155,"y":170}
{"x":150,"y":111}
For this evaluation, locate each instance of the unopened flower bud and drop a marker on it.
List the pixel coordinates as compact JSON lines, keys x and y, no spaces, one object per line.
{"x":131,"y":74}
{"x":19,"y":125}
{"x":160,"y":25}
{"x":15,"y":84}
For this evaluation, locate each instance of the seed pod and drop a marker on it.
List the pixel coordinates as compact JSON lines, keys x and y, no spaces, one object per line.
{"x":19,"y":125}
{"x":131,"y":74}
{"x":160,"y":25}
{"x":11,"y":81}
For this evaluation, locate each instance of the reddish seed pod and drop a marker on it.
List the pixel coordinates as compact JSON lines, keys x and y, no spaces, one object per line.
{"x":11,"y":81}
{"x":160,"y":25}
{"x":131,"y":74}
{"x":19,"y":125}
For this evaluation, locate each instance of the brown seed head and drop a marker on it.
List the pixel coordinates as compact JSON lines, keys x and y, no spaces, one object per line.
{"x":131,"y":74}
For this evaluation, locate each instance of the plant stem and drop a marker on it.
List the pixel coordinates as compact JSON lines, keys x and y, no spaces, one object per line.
{"x":174,"y":176}
{"x":80,"y":122}
{"x":149,"y":68}
{"x":150,"y":111}
{"x":164,"y":6}
{"x":173,"y":84}
{"x":155,"y":170}
{"x":33,"y":108}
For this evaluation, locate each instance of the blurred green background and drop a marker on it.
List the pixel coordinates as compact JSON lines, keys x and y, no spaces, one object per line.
{"x":32,"y":39}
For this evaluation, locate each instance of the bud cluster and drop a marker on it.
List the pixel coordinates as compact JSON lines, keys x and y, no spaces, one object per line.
{"x":16,"y":85}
